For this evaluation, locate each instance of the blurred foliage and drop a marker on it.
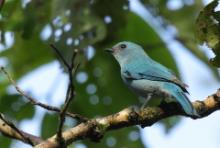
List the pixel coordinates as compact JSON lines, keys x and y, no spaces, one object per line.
{"x":47,"y":130}
{"x":182,"y":17}
{"x":5,"y":142}
{"x":208,"y":29}
{"x":92,"y":25}
{"x":1,"y":4}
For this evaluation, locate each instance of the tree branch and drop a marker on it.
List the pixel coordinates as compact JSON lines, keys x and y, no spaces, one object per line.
{"x":35,"y":102}
{"x":8,"y":129}
{"x":94,"y":129}
{"x":70,"y":94}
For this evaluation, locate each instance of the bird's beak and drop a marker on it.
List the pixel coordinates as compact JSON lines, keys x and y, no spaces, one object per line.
{"x":110,"y":50}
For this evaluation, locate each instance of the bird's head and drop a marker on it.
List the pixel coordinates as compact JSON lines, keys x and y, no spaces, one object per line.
{"x":125,"y":50}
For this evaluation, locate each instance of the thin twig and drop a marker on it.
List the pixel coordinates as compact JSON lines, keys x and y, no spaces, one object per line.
{"x":34,"y":102}
{"x":26,"y":139}
{"x":70,"y":91}
{"x":60,"y":55}
{"x":73,"y":58}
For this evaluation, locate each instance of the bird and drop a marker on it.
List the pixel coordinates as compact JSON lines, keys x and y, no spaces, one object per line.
{"x":147,"y":78}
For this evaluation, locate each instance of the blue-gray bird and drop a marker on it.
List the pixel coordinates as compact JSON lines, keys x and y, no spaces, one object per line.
{"x":146,"y":77}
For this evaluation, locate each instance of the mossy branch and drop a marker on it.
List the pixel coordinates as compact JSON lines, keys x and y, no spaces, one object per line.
{"x":95,"y":129}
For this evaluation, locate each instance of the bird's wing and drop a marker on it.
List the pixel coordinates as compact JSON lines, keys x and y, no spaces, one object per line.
{"x":151,"y":71}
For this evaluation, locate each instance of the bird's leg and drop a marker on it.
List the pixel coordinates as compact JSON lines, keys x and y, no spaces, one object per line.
{"x":146,"y":100}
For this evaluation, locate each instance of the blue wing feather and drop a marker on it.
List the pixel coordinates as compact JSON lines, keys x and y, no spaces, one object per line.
{"x":143,"y":68}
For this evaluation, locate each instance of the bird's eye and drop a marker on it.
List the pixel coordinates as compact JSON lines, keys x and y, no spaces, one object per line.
{"x":122,"y":46}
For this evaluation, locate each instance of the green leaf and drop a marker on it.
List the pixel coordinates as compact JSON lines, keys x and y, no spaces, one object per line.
{"x":208,"y":30}
{"x":15,"y":107}
{"x":26,"y":111}
{"x":49,"y":125}
{"x":5,"y":141}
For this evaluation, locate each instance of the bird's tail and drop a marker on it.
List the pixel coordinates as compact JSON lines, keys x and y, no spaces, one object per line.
{"x":185,"y":103}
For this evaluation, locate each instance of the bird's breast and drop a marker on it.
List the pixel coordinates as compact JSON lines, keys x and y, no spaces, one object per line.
{"x":143,"y":87}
